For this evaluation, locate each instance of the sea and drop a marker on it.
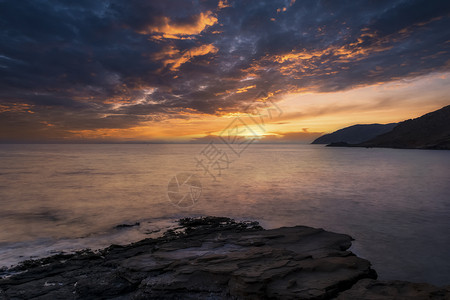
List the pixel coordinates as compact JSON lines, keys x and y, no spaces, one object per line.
{"x":65,"y":197}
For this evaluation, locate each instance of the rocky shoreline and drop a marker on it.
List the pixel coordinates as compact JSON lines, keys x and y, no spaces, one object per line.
{"x":213,"y":258}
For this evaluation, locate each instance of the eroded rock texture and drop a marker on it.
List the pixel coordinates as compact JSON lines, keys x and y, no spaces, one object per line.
{"x":210,"y":258}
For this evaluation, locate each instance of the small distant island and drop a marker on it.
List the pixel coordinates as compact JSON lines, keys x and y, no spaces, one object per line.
{"x":430,"y":131}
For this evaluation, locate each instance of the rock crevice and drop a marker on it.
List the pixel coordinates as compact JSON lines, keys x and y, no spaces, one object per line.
{"x":209,"y":258}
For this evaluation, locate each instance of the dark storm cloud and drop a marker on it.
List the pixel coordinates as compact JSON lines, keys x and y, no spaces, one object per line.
{"x":114,"y":64}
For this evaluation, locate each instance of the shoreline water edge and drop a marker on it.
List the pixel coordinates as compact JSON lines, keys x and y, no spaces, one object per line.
{"x":213,"y":258}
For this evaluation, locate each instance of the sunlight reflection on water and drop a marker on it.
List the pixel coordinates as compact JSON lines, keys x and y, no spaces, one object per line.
{"x":395,"y":203}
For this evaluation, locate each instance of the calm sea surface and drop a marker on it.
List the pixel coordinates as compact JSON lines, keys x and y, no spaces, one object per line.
{"x":395,"y":203}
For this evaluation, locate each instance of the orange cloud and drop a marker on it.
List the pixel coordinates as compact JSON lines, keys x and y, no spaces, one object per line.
{"x":295,"y":56}
{"x":16,"y":107}
{"x":174,"y":58}
{"x":305,"y":63}
{"x":353,"y":51}
{"x":245,"y":88}
{"x":171,"y":30}
{"x":223,"y":4}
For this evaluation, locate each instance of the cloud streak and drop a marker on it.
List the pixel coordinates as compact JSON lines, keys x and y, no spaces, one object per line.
{"x":91,"y":64}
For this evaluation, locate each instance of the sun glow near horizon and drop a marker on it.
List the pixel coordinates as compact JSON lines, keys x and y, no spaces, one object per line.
{"x":311,"y":113}
{"x":157,"y":72}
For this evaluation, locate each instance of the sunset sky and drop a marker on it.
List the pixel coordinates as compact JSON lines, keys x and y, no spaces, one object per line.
{"x":180,"y":71}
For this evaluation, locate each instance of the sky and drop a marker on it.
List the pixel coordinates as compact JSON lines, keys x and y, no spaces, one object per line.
{"x":185,"y":71}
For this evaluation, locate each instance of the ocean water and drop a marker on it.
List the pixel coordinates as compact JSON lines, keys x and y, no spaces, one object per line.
{"x":394,"y":203}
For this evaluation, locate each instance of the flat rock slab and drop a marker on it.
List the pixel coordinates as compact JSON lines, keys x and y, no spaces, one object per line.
{"x":372,"y":290}
{"x":212,"y":258}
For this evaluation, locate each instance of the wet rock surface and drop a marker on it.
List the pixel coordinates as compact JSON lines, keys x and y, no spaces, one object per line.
{"x":213,"y":258}
{"x":373,"y":289}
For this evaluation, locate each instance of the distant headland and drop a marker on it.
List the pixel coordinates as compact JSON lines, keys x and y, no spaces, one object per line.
{"x":430,"y":131}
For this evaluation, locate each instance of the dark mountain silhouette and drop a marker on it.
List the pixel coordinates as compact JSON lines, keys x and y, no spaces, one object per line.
{"x":430,"y":131}
{"x":355,"y":134}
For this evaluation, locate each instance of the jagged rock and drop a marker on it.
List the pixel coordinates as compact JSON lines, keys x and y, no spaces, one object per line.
{"x":205,"y":258}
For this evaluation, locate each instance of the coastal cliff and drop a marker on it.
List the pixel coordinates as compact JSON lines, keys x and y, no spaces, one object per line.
{"x":430,"y":131}
{"x":355,"y":134}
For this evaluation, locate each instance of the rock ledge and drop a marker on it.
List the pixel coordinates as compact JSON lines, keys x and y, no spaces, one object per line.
{"x":213,"y":258}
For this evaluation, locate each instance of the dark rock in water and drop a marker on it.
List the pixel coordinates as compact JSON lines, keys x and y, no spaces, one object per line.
{"x":127,"y":225}
{"x":207,"y":258}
